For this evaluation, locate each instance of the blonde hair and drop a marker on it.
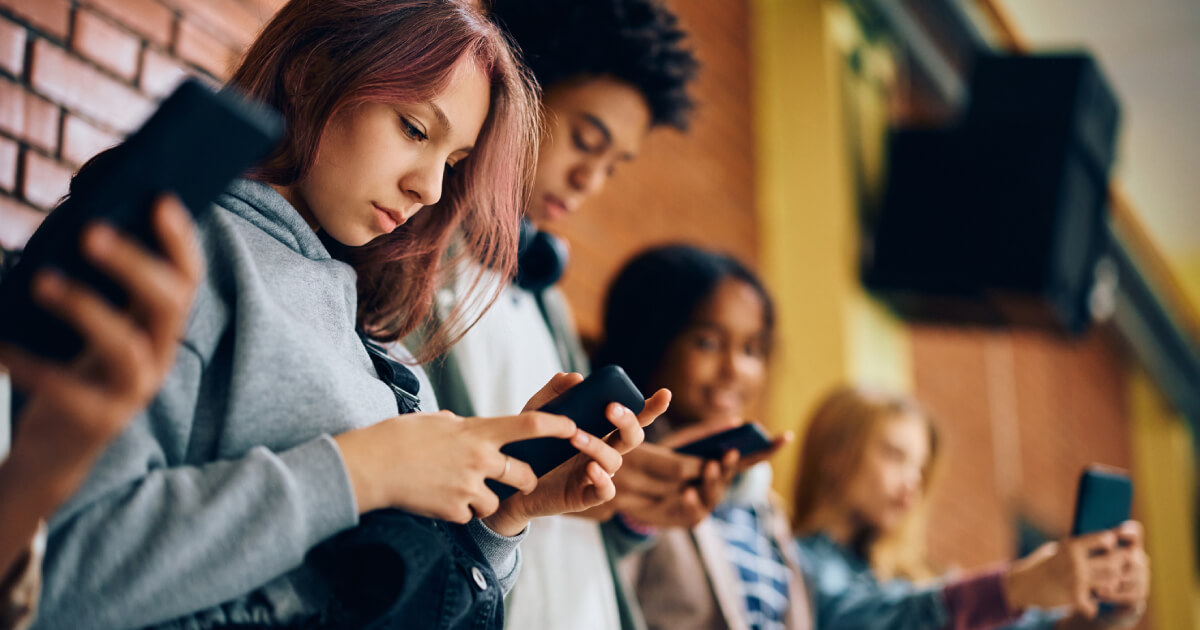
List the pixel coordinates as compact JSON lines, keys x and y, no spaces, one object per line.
{"x":835,"y":442}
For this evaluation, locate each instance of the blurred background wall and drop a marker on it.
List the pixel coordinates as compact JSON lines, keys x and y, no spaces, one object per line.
{"x":794,"y":100}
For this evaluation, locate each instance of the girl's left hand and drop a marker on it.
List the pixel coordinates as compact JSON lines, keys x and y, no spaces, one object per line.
{"x":585,"y":480}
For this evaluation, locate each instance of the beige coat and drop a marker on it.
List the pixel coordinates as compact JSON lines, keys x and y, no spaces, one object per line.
{"x":685,"y":582}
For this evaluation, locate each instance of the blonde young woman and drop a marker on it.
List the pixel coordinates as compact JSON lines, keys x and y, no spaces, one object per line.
{"x":865,"y":468}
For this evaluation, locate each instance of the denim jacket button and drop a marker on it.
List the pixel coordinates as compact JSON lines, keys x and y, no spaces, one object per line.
{"x":480,"y":581}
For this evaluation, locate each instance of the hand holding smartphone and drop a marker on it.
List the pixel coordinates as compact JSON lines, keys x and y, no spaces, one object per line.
{"x":193,"y":146}
{"x":585,"y":404}
{"x":1103,"y":502}
{"x":747,"y":439}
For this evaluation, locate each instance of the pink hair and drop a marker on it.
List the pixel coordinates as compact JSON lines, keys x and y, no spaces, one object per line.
{"x":317,"y":57}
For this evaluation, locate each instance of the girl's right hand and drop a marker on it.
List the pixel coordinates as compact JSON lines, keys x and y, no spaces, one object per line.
{"x":435,"y":464}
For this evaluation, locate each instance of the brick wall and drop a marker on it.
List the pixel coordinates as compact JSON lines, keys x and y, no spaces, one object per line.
{"x":696,"y":187}
{"x":1021,"y":413}
{"x":76,"y":75}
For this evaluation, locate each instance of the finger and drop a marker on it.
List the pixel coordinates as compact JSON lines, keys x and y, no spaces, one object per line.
{"x":159,"y":296}
{"x":119,"y":346}
{"x":629,"y":433}
{"x":557,"y":385}
{"x":700,"y":431}
{"x":1130,"y":534}
{"x":26,"y":370}
{"x":712,"y":487}
{"x":691,"y":508}
{"x":598,"y":451}
{"x":177,"y":238}
{"x":777,"y":443}
{"x":602,"y":488}
{"x":730,"y":466}
{"x":1096,"y":543}
{"x":1103,"y":571}
{"x":666,"y":464}
{"x":528,"y":425}
{"x":94,"y":418}
{"x":1086,"y":605}
{"x":631,"y":479}
{"x":656,"y":405}
{"x":519,"y":475}
{"x":485,"y":503}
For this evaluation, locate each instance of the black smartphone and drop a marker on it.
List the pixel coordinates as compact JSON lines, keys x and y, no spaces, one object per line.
{"x":193,"y":146}
{"x":585,"y":404}
{"x":1104,"y":500}
{"x":747,"y":439}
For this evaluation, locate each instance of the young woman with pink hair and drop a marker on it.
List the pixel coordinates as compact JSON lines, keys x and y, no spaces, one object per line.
{"x":283,"y":474}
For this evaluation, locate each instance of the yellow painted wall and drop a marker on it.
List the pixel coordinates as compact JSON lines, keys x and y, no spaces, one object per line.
{"x":829,"y":331}
{"x":1188,"y":267}
{"x":1165,"y":495}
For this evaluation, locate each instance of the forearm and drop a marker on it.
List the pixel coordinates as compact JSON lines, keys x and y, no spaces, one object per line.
{"x":181,"y":539}
{"x":28,"y":493}
{"x":977,"y":601}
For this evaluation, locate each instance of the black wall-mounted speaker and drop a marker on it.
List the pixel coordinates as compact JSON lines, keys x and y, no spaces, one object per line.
{"x":999,"y":219}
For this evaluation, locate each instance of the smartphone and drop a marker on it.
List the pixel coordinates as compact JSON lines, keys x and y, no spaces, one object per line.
{"x":193,"y":146}
{"x":747,"y":439}
{"x":585,"y":404}
{"x":1104,"y":500}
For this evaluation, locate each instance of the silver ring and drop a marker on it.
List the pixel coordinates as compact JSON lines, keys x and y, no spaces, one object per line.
{"x":507,"y":461}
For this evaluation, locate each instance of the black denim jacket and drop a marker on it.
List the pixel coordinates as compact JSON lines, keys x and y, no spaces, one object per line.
{"x":399,"y":570}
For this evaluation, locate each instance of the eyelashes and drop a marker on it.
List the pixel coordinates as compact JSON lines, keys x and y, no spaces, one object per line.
{"x":412,"y":131}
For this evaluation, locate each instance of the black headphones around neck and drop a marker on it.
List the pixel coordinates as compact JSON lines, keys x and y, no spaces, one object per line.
{"x":541,"y":258}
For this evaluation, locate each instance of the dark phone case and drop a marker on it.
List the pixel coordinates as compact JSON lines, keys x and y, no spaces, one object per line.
{"x":585,"y":404}
{"x":746,"y":439}
{"x":1104,"y":500}
{"x":194,"y":145}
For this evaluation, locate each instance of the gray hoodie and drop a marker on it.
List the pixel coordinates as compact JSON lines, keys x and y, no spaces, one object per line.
{"x":205,"y":506}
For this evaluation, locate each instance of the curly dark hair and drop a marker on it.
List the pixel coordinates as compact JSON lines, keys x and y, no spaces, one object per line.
{"x":636,"y":41}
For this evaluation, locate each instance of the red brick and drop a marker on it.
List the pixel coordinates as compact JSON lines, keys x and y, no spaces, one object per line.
{"x":147,"y":17}
{"x":28,"y":117}
{"x":105,"y":44}
{"x":160,"y":73}
{"x":17,"y":222}
{"x":46,"y":181}
{"x":195,"y":45}
{"x":86,"y":90}
{"x":229,"y":20}
{"x":12,"y":47}
{"x":51,"y":16}
{"x":81,"y":140}
{"x":8,"y":164}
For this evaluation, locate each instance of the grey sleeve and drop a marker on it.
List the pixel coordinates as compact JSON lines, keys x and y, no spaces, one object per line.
{"x":502,"y":552}
{"x":145,"y":540}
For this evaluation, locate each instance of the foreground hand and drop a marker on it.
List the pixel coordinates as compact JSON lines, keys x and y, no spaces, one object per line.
{"x":659,"y":487}
{"x":585,"y":480}
{"x":74,"y":410}
{"x":436,"y":464}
